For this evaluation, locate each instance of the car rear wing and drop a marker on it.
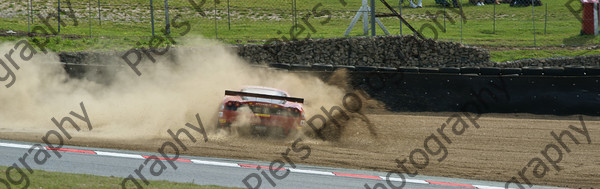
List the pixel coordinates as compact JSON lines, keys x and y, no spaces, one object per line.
{"x":238,"y":93}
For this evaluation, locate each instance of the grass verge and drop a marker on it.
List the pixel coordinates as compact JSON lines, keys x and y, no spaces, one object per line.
{"x":125,"y":24}
{"x":46,"y":179}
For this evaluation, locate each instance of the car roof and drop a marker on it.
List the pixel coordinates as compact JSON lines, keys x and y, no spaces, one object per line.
{"x":284,"y":103}
{"x":266,"y":88}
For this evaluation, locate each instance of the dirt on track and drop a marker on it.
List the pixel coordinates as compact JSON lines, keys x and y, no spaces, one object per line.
{"x":134,"y":113}
{"x":496,"y":151}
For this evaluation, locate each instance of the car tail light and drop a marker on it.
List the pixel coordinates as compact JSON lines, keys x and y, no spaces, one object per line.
{"x":232,"y":105}
{"x":294,"y":112}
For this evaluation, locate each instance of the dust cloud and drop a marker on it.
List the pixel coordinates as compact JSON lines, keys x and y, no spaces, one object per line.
{"x":166,"y":96}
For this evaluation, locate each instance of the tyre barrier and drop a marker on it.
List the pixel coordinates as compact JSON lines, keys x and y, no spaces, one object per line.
{"x":429,"y":70}
{"x":387,"y":69}
{"x":511,"y":71}
{"x":532,"y":71}
{"x":482,"y":94}
{"x":549,"y":90}
{"x":490,"y":71}
{"x":408,"y":69}
{"x":280,"y":66}
{"x":592,"y":71}
{"x":349,"y":68}
{"x":300,"y":67}
{"x":469,"y":71}
{"x":450,"y":70}
{"x":322,"y":67}
{"x":574,"y":71}
{"x":553,"y":71}
{"x":365,"y":68}
{"x":78,"y":69}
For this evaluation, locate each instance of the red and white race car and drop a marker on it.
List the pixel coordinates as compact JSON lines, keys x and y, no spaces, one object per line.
{"x":273,"y":111}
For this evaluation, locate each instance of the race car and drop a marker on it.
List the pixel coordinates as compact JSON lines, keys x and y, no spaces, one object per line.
{"x":270,"y":111}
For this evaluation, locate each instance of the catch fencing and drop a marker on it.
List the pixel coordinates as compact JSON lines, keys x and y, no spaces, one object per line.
{"x":548,"y":23}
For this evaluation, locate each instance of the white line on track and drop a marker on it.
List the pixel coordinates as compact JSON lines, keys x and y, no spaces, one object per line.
{"x":215,"y":163}
{"x":119,"y":155}
{"x":227,"y":164}
{"x":406,"y":180}
{"x":489,"y":187}
{"x":15,"y":145}
{"x":311,"y":171}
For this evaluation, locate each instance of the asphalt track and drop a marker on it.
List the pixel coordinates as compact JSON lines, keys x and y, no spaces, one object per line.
{"x":215,"y":171}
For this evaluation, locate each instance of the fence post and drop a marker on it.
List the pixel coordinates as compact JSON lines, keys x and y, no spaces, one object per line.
{"x":28,"y":17}
{"x":462,"y":19}
{"x":58,"y":10}
{"x":216,"y":27}
{"x":295,"y":10}
{"x":152,"y":16}
{"x":90,"y":16}
{"x":372,"y":17}
{"x":293,"y":16}
{"x":533,"y":20}
{"x":31,"y":8}
{"x":228,"y":16}
{"x":494,"y":30}
{"x":167,"y":25}
{"x":444,"y":16}
{"x":546,"y":18}
{"x":99,"y":14}
{"x":400,"y":12}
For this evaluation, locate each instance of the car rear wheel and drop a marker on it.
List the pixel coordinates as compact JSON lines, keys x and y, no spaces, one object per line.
{"x":292,"y":133}
{"x":276,"y":132}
